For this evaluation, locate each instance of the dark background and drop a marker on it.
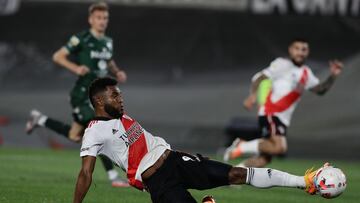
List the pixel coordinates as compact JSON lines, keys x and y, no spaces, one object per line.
{"x":188,"y":72}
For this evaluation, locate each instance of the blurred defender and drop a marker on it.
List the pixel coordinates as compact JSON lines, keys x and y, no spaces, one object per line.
{"x":289,"y":78}
{"x":94,"y":53}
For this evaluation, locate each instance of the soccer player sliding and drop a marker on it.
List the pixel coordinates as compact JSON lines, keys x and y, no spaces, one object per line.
{"x":152,"y":165}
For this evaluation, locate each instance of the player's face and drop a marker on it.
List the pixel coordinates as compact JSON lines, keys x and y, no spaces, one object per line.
{"x":99,"y":20}
{"x":113,"y":102}
{"x":298,"y":52}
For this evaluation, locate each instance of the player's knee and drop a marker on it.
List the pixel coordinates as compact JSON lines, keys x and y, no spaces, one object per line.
{"x":264,"y":160}
{"x":282,"y":150}
{"x":279,"y":150}
{"x":237,"y":175}
{"x":267,"y":159}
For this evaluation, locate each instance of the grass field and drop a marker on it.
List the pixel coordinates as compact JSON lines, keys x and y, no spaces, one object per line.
{"x":45,"y":176}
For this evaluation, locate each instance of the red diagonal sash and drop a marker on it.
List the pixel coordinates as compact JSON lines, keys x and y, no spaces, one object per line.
{"x":286,"y":101}
{"x":137,"y":149}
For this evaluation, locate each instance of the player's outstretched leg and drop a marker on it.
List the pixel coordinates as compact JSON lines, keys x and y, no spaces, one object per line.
{"x":38,"y":119}
{"x":274,"y":145}
{"x":267,"y":177}
{"x":240,"y":147}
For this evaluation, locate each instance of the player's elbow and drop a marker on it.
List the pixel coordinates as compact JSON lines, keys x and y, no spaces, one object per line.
{"x":59,"y":55}
{"x":56,"y":57}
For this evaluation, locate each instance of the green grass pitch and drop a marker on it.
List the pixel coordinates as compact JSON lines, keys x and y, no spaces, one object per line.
{"x":46,"y":176}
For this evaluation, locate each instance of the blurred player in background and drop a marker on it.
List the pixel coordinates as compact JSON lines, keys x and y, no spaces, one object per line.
{"x":94,"y":53}
{"x":289,"y":78}
{"x":152,"y":165}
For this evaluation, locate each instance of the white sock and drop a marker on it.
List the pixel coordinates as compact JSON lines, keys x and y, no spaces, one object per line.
{"x":42,"y":120}
{"x":112,"y":174}
{"x":241,"y":165}
{"x":267,"y":177}
{"x":250,"y":147}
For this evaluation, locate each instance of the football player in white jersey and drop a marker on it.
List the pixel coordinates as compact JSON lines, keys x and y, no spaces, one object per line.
{"x":152,"y":165}
{"x":289,"y":77}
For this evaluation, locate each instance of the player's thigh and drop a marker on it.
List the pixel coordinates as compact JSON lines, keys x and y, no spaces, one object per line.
{"x":176,"y":195}
{"x":199,"y":173}
{"x":217,"y":172}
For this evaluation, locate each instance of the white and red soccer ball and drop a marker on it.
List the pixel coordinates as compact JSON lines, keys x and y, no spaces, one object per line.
{"x":208,"y":199}
{"x":330,"y":182}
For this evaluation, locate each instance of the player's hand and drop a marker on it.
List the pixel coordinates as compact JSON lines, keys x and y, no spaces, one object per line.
{"x":121,"y":76}
{"x":82,"y":70}
{"x":249,"y":102}
{"x":336,"y":67}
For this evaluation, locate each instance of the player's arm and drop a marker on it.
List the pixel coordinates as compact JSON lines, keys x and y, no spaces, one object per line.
{"x":61,"y":57}
{"x":255,"y":82}
{"x":85,"y":177}
{"x":335,"y":70}
{"x":117,"y":72}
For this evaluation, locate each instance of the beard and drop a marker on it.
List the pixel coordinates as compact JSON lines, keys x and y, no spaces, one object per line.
{"x":298,"y":63}
{"x":112,"y":111}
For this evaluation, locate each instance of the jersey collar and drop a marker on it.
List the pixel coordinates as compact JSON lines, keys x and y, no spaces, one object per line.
{"x":102,"y":118}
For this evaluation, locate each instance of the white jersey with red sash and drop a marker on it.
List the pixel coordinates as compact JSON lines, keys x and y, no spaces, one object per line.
{"x":126,"y":143}
{"x":285,"y":93}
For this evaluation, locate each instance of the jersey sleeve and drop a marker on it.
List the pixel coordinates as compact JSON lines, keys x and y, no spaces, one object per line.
{"x":276,"y":68}
{"x":312,"y":80}
{"x":74,"y":44}
{"x":91,"y":143}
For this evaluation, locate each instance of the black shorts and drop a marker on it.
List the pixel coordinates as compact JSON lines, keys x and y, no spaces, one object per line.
{"x":83,"y":114}
{"x":182,"y":171}
{"x":270,"y":125}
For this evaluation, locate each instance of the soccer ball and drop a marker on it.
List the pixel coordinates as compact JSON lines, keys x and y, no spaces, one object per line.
{"x":208,"y":199}
{"x":330,"y":182}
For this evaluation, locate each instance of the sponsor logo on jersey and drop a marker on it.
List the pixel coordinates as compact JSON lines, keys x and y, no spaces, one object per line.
{"x":132,"y":134}
{"x":100,"y":55}
{"x":114,"y":131}
{"x":84,"y":149}
{"x":102,"y":64}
